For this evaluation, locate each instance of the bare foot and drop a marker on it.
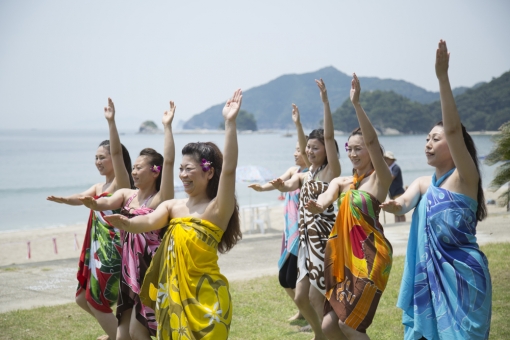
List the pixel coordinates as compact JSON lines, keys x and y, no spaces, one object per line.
{"x":103,"y":337}
{"x":297,"y":316}
{"x":306,"y":328}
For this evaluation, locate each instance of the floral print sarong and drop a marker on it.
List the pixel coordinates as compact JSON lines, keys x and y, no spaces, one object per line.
{"x":184,"y":285}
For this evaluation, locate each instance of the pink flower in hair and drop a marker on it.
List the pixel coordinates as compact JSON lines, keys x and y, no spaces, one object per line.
{"x":156,"y":168}
{"x":206,"y":165}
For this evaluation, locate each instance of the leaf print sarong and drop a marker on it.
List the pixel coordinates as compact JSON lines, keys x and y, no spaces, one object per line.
{"x":100,"y":262}
{"x":358,"y":260}
{"x":446,"y":290}
{"x":184,"y":285}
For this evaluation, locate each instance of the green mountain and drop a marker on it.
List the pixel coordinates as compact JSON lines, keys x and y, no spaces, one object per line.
{"x":486,"y":106}
{"x":271,"y":103}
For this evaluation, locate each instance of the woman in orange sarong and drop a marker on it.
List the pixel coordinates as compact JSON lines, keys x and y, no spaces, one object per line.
{"x":358,"y":257}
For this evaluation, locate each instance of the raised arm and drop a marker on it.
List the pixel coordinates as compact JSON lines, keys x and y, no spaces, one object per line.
{"x":106,"y":203}
{"x":225,"y":200}
{"x":326,"y":198}
{"x":121,"y":179}
{"x":166,"y":191}
{"x":333,"y":168}
{"x":143,"y":223}
{"x":383,"y":178}
{"x":296,"y":118}
{"x":465,"y":165}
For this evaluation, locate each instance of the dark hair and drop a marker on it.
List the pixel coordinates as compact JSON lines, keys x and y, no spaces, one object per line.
{"x":211,"y":153}
{"x":357,"y":132}
{"x":481,"y":211}
{"x":319,"y":135}
{"x":155,"y":158}
{"x":126,"y":158}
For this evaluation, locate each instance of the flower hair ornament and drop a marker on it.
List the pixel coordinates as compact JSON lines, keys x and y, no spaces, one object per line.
{"x":156,"y":168}
{"x":206,"y":165}
{"x":347,"y":146}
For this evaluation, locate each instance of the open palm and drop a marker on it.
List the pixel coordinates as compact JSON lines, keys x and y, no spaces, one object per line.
{"x":233,"y":105}
{"x":168,"y":116}
{"x":355,"y":89}
{"x":109,"y":111}
{"x":118,"y":221}
{"x":295,"y":114}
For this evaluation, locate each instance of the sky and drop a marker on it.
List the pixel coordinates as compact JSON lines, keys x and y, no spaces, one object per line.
{"x":61,"y":60}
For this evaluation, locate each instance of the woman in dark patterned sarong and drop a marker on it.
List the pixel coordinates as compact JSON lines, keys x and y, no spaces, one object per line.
{"x":287,"y":264}
{"x":358,"y":256}
{"x":153,"y":177}
{"x":446,"y":290}
{"x":322,"y":152}
{"x":99,"y":265}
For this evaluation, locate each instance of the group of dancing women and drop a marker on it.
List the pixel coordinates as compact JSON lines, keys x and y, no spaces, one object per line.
{"x":155,"y":257}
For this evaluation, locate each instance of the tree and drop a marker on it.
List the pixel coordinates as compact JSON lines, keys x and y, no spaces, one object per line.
{"x":501,"y":153}
{"x":245,"y":121}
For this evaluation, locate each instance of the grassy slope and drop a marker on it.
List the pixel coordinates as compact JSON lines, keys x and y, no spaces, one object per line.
{"x":261,"y":308}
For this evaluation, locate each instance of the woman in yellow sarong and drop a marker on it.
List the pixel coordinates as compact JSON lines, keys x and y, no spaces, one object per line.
{"x":183,"y":283}
{"x":358,"y":257}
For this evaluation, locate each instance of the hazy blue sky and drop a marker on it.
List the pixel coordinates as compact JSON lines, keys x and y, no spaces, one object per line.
{"x":60,"y":60}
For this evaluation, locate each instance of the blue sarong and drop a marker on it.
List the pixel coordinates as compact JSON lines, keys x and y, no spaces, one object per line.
{"x":446,"y":288}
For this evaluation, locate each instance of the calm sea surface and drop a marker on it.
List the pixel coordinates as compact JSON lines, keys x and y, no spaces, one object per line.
{"x":36,"y":164}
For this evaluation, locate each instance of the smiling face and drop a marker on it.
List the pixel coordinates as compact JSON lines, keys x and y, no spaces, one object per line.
{"x":103,"y":161}
{"x":298,"y":158}
{"x":436,"y":148}
{"x":357,"y":152}
{"x":143,"y":177}
{"x":316,"y":152}
{"x":193,"y":177}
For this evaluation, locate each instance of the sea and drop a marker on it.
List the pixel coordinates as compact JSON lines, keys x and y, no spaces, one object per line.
{"x":37,"y":163}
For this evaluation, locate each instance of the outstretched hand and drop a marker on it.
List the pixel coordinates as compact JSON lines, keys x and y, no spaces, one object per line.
{"x":391,"y":206}
{"x":256,"y":187}
{"x":57,"y":199}
{"x":314,"y":207}
{"x":168,"y":116}
{"x":109,"y":111}
{"x":295,"y":114}
{"x":118,"y":221}
{"x":322,"y":87}
{"x":355,"y":89}
{"x":277,"y":183}
{"x":233,"y":106}
{"x":89,"y":202}
{"x":442,"y":60}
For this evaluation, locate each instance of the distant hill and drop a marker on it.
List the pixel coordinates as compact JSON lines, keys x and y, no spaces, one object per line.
{"x":486,"y":106}
{"x":271,"y":103}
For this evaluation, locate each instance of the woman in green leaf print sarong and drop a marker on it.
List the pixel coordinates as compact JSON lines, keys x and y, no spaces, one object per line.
{"x":100,"y":259}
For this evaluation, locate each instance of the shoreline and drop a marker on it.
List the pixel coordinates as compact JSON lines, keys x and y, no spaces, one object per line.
{"x":65,"y":242}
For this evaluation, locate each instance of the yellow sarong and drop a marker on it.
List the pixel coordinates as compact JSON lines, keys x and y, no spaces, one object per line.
{"x":184,"y":285}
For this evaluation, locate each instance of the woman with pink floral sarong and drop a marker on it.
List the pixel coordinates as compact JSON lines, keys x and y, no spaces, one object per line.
{"x":153,"y":177}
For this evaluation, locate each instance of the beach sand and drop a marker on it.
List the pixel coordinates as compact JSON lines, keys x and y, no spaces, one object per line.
{"x":69,"y":239}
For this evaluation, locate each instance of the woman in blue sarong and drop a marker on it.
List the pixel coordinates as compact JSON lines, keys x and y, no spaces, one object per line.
{"x":446,"y":288}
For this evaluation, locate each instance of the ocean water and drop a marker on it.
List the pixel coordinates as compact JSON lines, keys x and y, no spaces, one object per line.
{"x":36,"y":164}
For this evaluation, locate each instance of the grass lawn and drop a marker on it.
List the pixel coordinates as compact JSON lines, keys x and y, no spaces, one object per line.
{"x":261,"y":309}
